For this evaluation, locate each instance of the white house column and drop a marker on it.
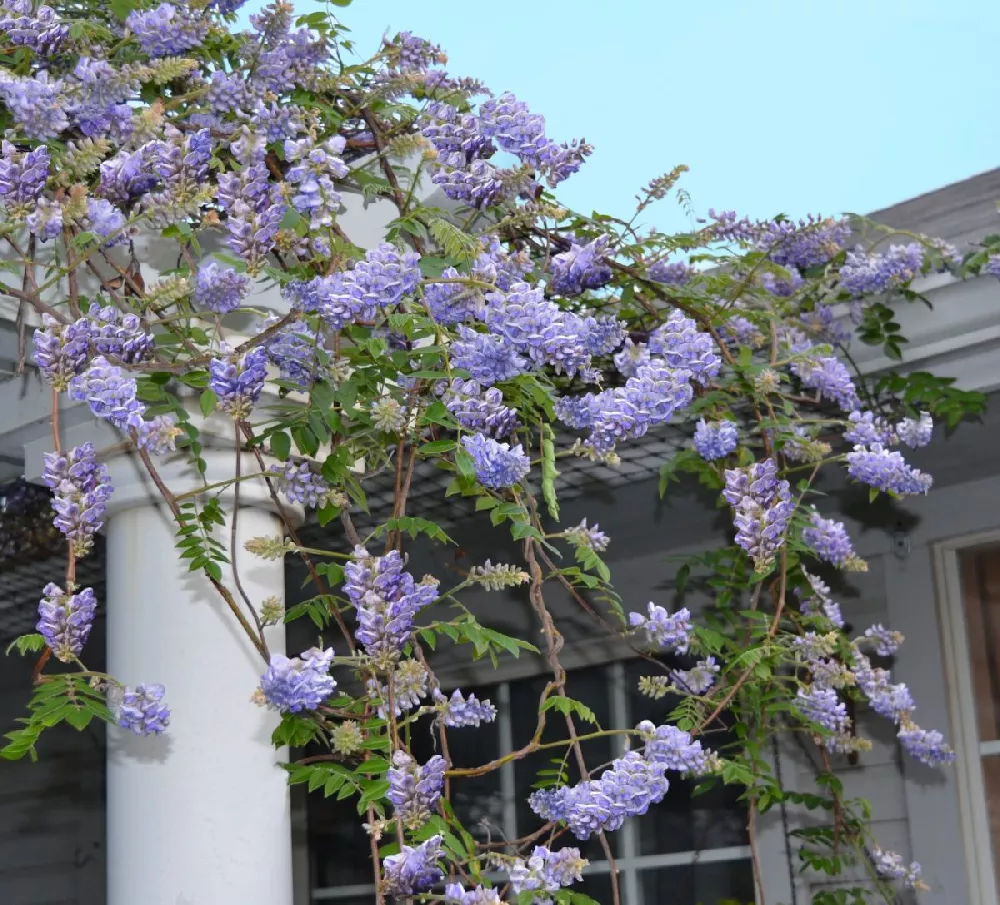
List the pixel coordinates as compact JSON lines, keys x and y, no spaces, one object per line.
{"x":200,"y":814}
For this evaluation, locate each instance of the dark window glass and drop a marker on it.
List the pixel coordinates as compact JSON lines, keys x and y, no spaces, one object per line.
{"x":338,"y":847}
{"x":598,"y":887}
{"x":589,"y":686}
{"x":683,"y":822}
{"x":717,"y":883}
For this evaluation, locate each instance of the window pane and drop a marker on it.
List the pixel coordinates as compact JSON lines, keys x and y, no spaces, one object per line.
{"x":591,"y":687}
{"x":338,"y":846}
{"x":683,"y":822}
{"x":598,"y":887}
{"x":980,"y":568}
{"x":716,"y":883}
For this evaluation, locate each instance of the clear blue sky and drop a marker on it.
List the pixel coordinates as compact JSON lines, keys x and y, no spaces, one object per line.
{"x":791,"y":106}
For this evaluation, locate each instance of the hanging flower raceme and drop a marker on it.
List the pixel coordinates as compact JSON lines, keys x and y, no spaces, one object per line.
{"x":301,"y":483}
{"x":237,"y":380}
{"x":294,"y":684}
{"x":220,"y":289}
{"x":142,"y":711}
{"x":62,"y":350}
{"x":458,"y":711}
{"x":65,"y":620}
{"x":480,"y":411}
{"x":110,"y":394}
{"x":414,"y":869}
{"x":832,"y":543}
{"x":386,"y":599}
{"x":715,"y":440}
{"x":669,"y":631}
{"x":81,"y":488}
{"x":498,"y":465}
{"x":762,"y":504}
{"x":582,"y":267}
{"x":414,"y":791}
{"x":886,"y":470}
{"x":546,"y":871}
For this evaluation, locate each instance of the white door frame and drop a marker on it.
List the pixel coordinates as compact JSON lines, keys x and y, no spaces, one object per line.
{"x":961,"y":699}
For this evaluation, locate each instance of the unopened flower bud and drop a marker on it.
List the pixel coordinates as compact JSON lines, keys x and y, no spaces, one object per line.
{"x":269,"y":547}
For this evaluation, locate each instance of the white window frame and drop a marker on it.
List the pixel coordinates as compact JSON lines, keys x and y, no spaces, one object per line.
{"x":965,"y":732}
{"x":629,"y":862}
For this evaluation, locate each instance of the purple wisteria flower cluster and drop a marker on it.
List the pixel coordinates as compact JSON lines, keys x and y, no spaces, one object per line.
{"x":414,"y":790}
{"x":763,"y":506}
{"x":81,"y":488}
{"x":142,"y":710}
{"x":386,"y":600}
{"x":294,"y":684}
{"x":65,"y":620}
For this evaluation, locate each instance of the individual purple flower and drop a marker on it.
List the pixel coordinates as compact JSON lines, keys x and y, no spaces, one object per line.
{"x":386,"y":600}
{"x":22,"y":175}
{"x":670,"y":274}
{"x":301,"y":482}
{"x":886,"y":471}
{"x":890,"y":866}
{"x":109,"y":393}
{"x":762,"y":504}
{"x":830,"y":377}
{"x":414,"y":869}
{"x":823,"y":707}
{"x":867,"y":429}
{"x":237,"y":380}
{"x":581,"y":268}
{"x":992,"y":266}
{"x":872,"y":274}
{"x":414,"y":791}
{"x":61,"y":350}
{"x":129,"y":175}
{"x":546,"y":871}
{"x":81,"y":488}
{"x":480,"y":411}
{"x":166,"y":30}
{"x":65,"y":620}
{"x":832,"y":543}
{"x":458,"y":711}
{"x":697,"y":680}
{"x":668,"y":631}
{"x":220,"y":289}
{"x":925,"y":745}
{"x":916,"y":432}
{"x":715,"y":440}
{"x":118,"y":334}
{"x":292,"y":685}
{"x":479,"y":186}
{"x":158,"y":436}
{"x":674,"y":749}
{"x":590,"y":537}
{"x":488,"y":358}
{"x":498,"y":465}
{"x":682,"y":345}
{"x":142,"y":710}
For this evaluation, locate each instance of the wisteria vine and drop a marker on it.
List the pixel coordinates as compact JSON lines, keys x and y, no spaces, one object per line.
{"x":491,"y":332}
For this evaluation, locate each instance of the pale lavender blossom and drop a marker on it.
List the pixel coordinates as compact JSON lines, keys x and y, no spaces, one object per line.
{"x":65,"y":620}
{"x":414,"y":790}
{"x":916,"y":432}
{"x":142,"y":710}
{"x":716,"y":439}
{"x":498,"y":465}
{"x":294,"y":684}
{"x":669,"y":631}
